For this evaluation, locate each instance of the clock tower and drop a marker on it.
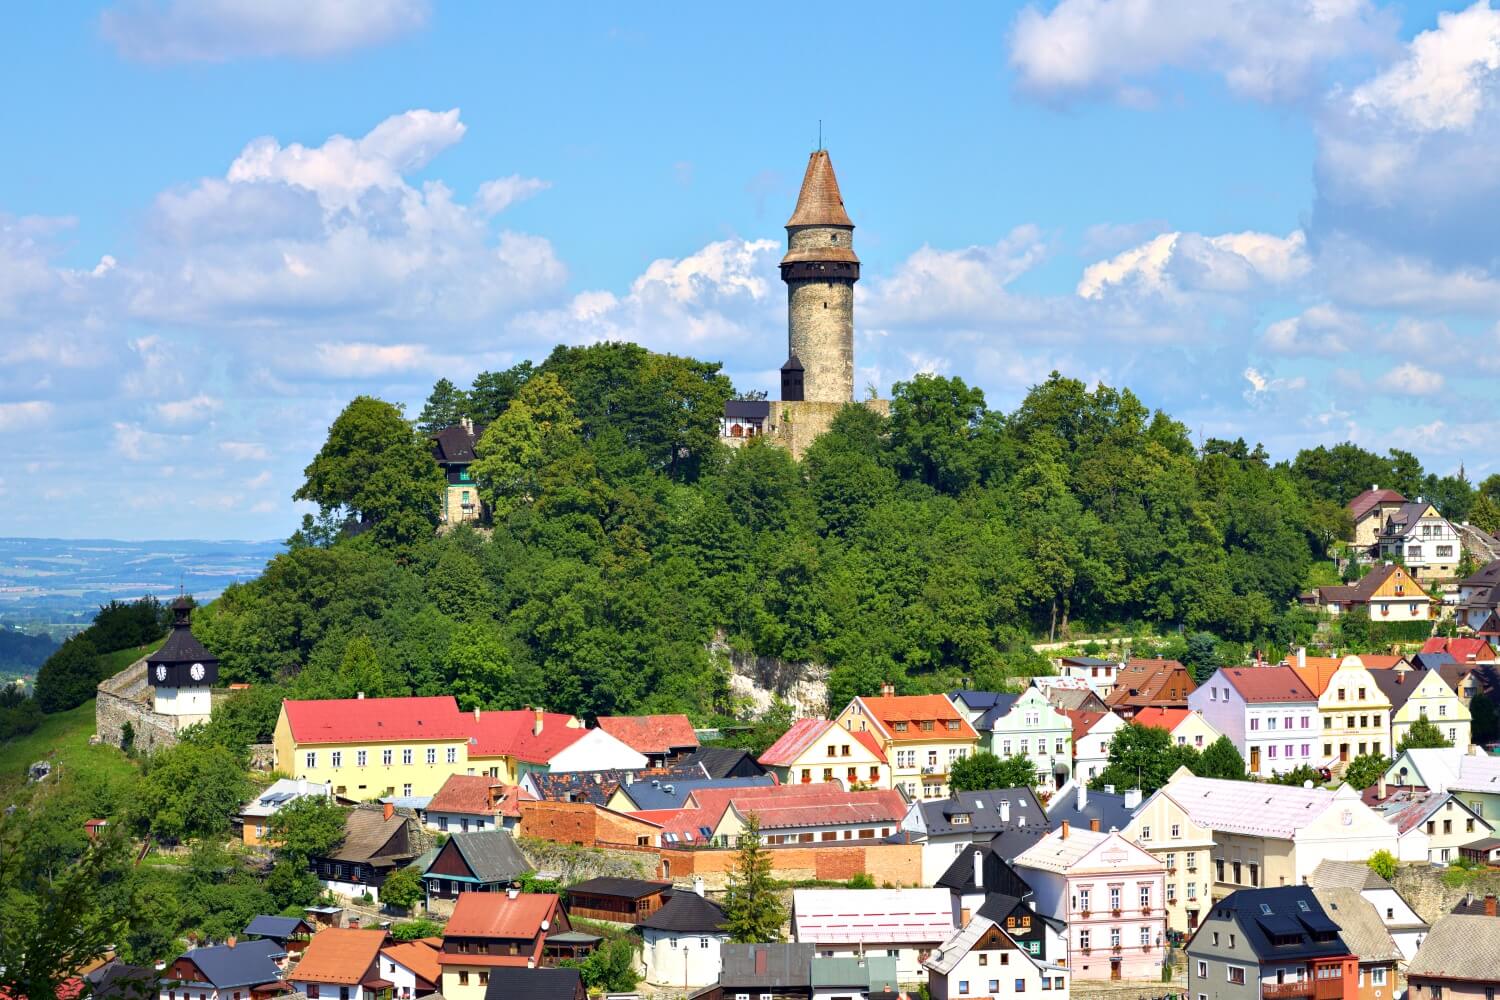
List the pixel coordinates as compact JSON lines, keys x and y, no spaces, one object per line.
{"x":183,"y":672}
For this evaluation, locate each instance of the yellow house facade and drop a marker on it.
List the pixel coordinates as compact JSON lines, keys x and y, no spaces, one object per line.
{"x":1165,"y":830}
{"x":1355,"y":712}
{"x":817,"y":750}
{"x":920,"y":735}
{"x":1424,"y":694}
{"x":368,"y":748}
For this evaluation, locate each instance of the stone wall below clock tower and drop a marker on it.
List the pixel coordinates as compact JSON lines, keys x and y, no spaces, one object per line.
{"x":129,"y":697}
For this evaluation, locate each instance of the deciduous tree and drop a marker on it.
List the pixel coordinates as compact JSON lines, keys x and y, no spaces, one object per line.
{"x":983,"y":771}
{"x":1423,"y":734}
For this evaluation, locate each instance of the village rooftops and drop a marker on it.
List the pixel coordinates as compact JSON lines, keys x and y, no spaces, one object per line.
{"x":804,"y":735}
{"x":283,"y":791}
{"x":876,"y":916}
{"x":599,"y":787}
{"x":1260,"y":685}
{"x":780,"y":966}
{"x":499,"y":915}
{"x":917,"y":718}
{"x":491,"y":855}
{"x":455,"y":445}
{"x":342,"y":955}
{"x":248,"y":963}
{"x":512,"y":983}
{"x":366,"y":834}
{"x":687,"y":913}
{"x":376,"y":720}
{"x":651,"y":734}
{"x":1463,"y":649}
{"x":980,"y":868}
{"x":478,"y":795}
{"x":1459,"y":946}
{"x":722,"y":762}
{"x":1370,"y":499}
{"x":1360,"y":925}
{"x":278,"y":928}
{"x":532,"y":736}
{"x":1248,"y":807}
{"x":654,"y":794}
{"x":1346,"y":875}
{"x":1282,"y":923}
{"x":1112,"y":810}
{"x":990,"y":811}
{"x":420,"y":956}
{"x":1140,"y":683}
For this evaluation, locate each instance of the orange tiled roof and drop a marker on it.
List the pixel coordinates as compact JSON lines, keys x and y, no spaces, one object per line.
{"x":1161,"y":718}
{"x":650,"y":733}
{"x":497,"y":915}
{"x":420,"y":957}
{"x":339,"y":955}
{"x":913,"y":710}
{"x":1317,"y":671}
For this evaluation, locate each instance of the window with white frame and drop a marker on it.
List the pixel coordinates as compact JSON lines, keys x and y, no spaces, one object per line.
{"x":361,"y":757}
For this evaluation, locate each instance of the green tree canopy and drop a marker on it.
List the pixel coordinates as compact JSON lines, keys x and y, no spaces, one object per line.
{"x":1365,"y":770}
{"x":403,"y":888}
{"x":306,"y":827}
{"x":1221,"y":759}
{"x":983,"y":771}
{"x":445,"y":406}
{"x":1422,"y":734}
{"x":191,"y":791}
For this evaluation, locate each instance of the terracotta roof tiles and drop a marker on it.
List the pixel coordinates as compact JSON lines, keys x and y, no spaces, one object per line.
{"x":375,"y":720}
{"x":1268,"y":684}
{"x":340,"y":955}
{"x":650,"y":733}
{"x":470,"y":793}
{"x":418,"y":956}
{"x":891,"y":711}
{"x":497,"y":915}
{"x":819,"y":203}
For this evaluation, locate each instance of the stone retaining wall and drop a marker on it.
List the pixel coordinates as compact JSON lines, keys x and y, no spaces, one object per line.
{"x":1423,"y":887}
{"x":126,"y":697}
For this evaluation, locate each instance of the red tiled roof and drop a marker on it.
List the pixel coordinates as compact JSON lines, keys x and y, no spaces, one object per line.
{"x":375,"y":720}
{"x":1083,"y":721}
{"x":512,"y":734}
{"x":915,"y":709}
{"x":497,"y":915}
{"x":1161,"y":718}
{"x":339,"y":955}
{"x":794,"y":742}
{"x":1370,"y":499}
{"x":871,"y":744}
{"x":879,"y":806}
{"x":1268,"y":684}
{"x":650,"y":733}
{"x":1463,"y":649}
{"x":1142,"y":682}
{"x":418,"y":956}
{"x":1381,"y":661}
{"x":470,"y":793}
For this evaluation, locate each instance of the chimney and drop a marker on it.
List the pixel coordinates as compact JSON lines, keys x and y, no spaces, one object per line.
{"x":360,"y":695}
{"x":512,"y":891}
{"x":1132,"y":798}
{"x":978,"y":869}
{"x":887,"y":690}
{"x":1094,"y":825}
{"x":1064,"y":829}
{"x":1380,"y":787}
{"x":389,"y":810}
{"x":760,"y":960}
{"x":1005,"y":810}
{"x":1489,"y":904}
{"x":536,"y":727}
{"x":230,"y":940}
{"x":1081,"y":796}
{"x":476,"y":713}
{"x":698,"y":886}
{"x":1301,"y":656}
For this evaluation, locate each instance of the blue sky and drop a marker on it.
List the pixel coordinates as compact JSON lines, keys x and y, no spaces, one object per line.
{"x":221,"y":219}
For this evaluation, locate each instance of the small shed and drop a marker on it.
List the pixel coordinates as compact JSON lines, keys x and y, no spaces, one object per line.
{"x":623,"y":900}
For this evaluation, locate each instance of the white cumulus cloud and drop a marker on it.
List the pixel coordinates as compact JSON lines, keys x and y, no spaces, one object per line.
{"x":24,"y":414}
{"x":499,"y":194}
{"x":219,"y":30}
{"x":1443,"y":81}
{"x":1172,"y":262}
{"x":187,"y":411}
{"x":1319,"y":331}
{"x":1410,"y":379}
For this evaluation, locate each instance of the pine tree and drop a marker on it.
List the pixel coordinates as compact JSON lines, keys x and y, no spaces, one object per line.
{"x":1423,"y":734}
{"x":445,"y":406}
{"x":1221,"y":760}
{"x":754,"y":913}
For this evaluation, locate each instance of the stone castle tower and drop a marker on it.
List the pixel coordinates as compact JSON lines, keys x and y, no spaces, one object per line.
{"x":820,"y":269}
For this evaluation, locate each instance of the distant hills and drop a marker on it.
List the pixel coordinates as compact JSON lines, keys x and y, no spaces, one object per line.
{"x":55,"y":585}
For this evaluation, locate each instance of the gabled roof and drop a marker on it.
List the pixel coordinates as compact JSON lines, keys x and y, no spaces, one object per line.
{"x":469,"y":794}
{"x":498,"y":915}
{"x":1267,"y":684}
{"x":492,"y":855}
{"x":625,"y":888}
{"x":912,"y":710}
{"x":721,"y":762}
{"x":996,"y":875}
{"x":1161,"y":718}
{"x":599,"y":787}
{"x":1346,"y":875}
{"x":650,"y":733}
{"x":1108,"y":808}
{"x":1406,"y":808}
{"x":1000,"y":709}
{"x":1144,"y":682}
{"x":1083,"y":721}
{"x":1370,"y":499}
{"x":1061,"y":851}
{"x":1248,"y":807}
{"x":1463,"y":649}
{"x":884,"y":805}
{"x":419,"y":956}
{"x":278,"y":927}
{"x":248,"y":963}
{"x":340,"y":955}
{"x":1286,"y":913}
{"x":1364,"y":589}
{"x":984,"y":811}
{"x":793,"y":743}
{"x":1397,"y":685}
{"x":1360,"y":925}
{"x":1459,"y":946}
{"x":282,"y":791}
{"x":513,"y":734}
{"x":455,"y":445}
{"x":819,"y":203}
{"x":1404,"y":519}
{"x":773,"y":966}
{"x":509,"y":982}
{"x":872,"y":916}
{"x":375,"y":720}
{"x":366,"y":834}
{"x":687,"y":913}
{"x":959,"y":944}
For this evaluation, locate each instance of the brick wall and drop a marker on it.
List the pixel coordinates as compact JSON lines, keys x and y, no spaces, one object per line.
{"x":897,"y":864}
{"x":583,"y":824}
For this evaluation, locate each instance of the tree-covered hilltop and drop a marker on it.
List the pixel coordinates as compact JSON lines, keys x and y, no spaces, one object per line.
{"x":921,"y":548}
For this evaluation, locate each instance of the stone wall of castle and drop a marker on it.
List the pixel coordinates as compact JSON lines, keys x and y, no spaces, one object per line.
{"x":126,"y":697}
{"x":795,"y":425}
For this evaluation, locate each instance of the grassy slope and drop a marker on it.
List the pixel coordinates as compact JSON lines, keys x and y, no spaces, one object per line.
{"x":63,"y":739}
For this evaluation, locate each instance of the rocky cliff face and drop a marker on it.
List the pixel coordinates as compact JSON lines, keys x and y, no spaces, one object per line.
{"x":762,"y":679}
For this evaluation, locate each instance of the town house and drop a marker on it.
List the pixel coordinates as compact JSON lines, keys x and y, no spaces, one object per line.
{"x":1422,"y":539}
{"x":1093,"y":732}
{"x":376,"y":843}
{"x":1146,"y":683}
{"x":1356,"y":714}
{"x":1109,"y":892}
{"x":1423,"y":694}
{"x":1270,"y":944}
{"x":1009,"y":819}
{"x":1268,"y":713}
{"x":820,"y":750}
{"x":921,"y":736}
{"x":1366,"y":937}
{"x":490,"y":930}
{"x":907,"y":924}
{"x":342,"y":963}
{"x":510,"y":745}
{"x":230,"y":971}
{"x":1022,"y":725}
{"x":1396,"y":914}
{"x":1388,"y":593}
{"x":1186,"y":850}
{"x":1469,"y":772}
{"x":1368,"y":511}
{"x":1187,"y":727}
{"x":1458,"y":958}
{"x":982,"y":960}
{"x":367,"y":748}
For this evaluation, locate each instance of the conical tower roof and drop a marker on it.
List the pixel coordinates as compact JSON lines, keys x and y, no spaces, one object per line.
{"x":819,"y":202}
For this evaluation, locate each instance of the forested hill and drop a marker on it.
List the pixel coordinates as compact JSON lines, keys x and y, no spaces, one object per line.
{"x":932,"y":545}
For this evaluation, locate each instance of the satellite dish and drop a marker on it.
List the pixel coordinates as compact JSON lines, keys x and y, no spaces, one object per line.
{"x":1308,"y":783}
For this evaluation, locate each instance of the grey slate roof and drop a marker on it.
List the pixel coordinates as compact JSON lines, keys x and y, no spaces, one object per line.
{"x":1290,"y":910}
{"x":512,"y":983}
{"x":773,"y":966}
{"x":689,"y":913}
{"x":999,"y":710}
{"x":628,"y":888}
{"x":1345,"y":875}
{"x":723,"y":762}
{"x":1359,"y":925}
{"x":983,"y":810}
{"x":999,"y":876}
{"x":999,"y":905}
{"x":1459,"y":946}
{"x":274,"y":927}
{"x":1107,"y":807}
{"x":654,"y":795}
{"x":117,"y":980}
{"x":248,"y":963}
{"x":492,"y":855}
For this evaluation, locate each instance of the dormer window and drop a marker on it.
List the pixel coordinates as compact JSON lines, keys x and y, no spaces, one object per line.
{"x":926,"y":725}
{"x":900,"y":727}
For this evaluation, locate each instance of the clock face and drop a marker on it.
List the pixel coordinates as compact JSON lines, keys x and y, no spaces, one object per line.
{"x":197,"y":671}
{"x":161,"y":672}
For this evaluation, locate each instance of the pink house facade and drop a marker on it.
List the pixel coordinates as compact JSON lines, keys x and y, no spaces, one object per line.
{"x":1110,"y":893}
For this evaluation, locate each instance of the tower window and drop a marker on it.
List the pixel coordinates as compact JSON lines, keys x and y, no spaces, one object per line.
{"x":834,"y":237}
{"x":825,"y":305}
